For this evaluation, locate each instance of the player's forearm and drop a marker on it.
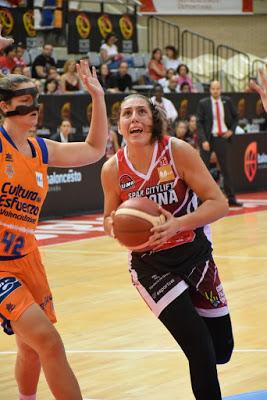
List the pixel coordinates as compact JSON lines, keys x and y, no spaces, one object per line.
{"x":206,"y":213}
{"x":98,"y":131}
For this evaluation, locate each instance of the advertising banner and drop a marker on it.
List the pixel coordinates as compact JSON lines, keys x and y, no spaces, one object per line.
{"x":196,"y":7}
{"x":87,"y":31}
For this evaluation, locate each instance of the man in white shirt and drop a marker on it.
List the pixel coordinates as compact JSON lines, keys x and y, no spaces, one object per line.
{"x":166,"y":105}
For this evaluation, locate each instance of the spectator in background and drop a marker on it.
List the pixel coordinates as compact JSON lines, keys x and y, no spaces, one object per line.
{"x":165,"y":81}
{"x":26,"y":71}
{"x":104,"y":76}
{"x":52,"y":73}
{"x":180,"y":129}
{"x":112,"y":142}
{"x":217,"y":120}
{"x":183,"y":76}
{"x":42,"y":62}
{"x":121,"y":81}
{"x":7,"y":61}
{"x":172,"y":86}
{"x":170,"y":59}
{"x":166,"y":106}
{"x":109,"y":51}
{"x":185,"y":88}
{"x":191,"y":133}
{"x":51,"y":86}
{"x":20,"y":50}
{"x":39,"y":85}
{"x":64,"y":132}
{"x":17,"y":69}
{"x":156,"y":68}
{"x":70,"y":81}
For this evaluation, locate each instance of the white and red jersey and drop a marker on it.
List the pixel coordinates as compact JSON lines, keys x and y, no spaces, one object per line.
{"x":161,"y":184}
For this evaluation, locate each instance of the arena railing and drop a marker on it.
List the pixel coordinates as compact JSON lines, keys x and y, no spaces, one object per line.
{"x":161,"y":33}
{"x":198,"y":52}
{"x":233,"y":68}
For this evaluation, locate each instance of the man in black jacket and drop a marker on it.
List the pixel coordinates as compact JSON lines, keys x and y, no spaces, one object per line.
{"x":217,"y":121}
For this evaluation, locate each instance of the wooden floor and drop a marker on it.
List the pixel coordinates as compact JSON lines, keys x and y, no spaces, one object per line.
{"x":119,"y":350}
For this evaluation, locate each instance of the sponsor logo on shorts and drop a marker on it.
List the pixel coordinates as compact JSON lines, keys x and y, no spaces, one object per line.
{"x":212,"y":298}
{"x":47,"y":299}
{"x":7,"y":286}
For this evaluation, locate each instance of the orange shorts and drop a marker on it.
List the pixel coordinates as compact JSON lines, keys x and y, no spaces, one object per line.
{"x":23,"y":282}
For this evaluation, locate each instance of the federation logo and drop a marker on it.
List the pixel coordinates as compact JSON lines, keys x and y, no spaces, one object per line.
{"x":126,"y":182}
{"x":126,"y":27}
{"x":9,"y":171}
{"x":250,"y":161}
{"x":7,"y":286}
{"x":83,"y":25}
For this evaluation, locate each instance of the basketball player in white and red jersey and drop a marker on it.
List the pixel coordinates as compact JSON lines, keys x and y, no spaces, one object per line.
{"x":177,"y":277}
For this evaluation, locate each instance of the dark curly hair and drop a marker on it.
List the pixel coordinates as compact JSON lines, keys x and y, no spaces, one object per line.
{"x":157,"y":115}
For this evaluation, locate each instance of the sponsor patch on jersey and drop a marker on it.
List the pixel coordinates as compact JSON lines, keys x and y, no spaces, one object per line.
{"x":9,"y":157}
{"x":126,"y":182}
{"x":7,"y":286}
{"x":39,"y":179}
{"x":9,"y":170}
{"x":166,"y":173}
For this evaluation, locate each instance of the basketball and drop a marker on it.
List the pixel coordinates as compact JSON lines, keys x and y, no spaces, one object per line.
{"x":133,"y":220}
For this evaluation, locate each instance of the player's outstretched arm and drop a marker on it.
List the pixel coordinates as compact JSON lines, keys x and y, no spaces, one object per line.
{"x":90,"y":151}
{"x":261,"y":88}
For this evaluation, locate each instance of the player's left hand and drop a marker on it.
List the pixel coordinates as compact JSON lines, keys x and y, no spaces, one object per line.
{"x":4,"y":42}
{"x":261,"y":88}
{"x":161,"y":233}
{"x":89,"y":79}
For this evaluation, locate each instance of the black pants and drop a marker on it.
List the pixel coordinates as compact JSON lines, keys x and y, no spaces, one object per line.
{"x":205,"y":342}
{"x":220,"y":146}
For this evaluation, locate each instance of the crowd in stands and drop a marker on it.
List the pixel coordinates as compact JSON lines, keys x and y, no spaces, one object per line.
{"x":163,"y":72}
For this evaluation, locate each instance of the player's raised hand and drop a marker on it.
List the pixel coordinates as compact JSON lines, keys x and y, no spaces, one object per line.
{"x":261,"y":88}
{"x":4,"y":42}
{"x":89,"y":79}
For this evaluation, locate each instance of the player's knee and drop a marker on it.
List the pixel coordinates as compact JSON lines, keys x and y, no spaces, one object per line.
{"x":223,"y":355}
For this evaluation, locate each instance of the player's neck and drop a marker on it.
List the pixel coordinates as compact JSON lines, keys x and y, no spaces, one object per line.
{"x":140,"y":157}
{"x":17,"y":133}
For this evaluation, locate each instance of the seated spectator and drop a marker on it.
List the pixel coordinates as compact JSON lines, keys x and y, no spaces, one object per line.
{"x":165,"y":81}
{"x":109,"y":51}
{"x":156,"y":68}
{"x":42,"y":62}
{"x":39,"y":85}
{"x":70,"y":81}
{"x":51,"y":86}
{"x":180,"y":129}
{"x":121,"y":81}
{"x":191,"y":135}
{"x":172,"y":86}
{"x":185,"y":87}
{"x":26,"y":71}
{"x":7,"y":61}
{"x":64,"y":132}
{"x":170,"y":59}
{"x":104,"y":76}
{"x":112,"y":142}
{"x":17,"y":69}
{"x":20,"y":50}
{"x":183,"y":76}
{"x":167,"y":106}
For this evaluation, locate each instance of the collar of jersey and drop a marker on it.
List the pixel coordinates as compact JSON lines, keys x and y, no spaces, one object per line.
{"x":8,"y":138}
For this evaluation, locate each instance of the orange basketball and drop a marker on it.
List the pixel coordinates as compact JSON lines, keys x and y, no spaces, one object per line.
{"x":133,"y":220}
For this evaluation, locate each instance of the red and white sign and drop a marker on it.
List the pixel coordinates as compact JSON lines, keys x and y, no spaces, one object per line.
{"x":196,"y":7}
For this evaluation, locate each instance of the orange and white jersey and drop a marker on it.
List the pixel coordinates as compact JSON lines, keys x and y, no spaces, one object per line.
{"x":23,"y":188}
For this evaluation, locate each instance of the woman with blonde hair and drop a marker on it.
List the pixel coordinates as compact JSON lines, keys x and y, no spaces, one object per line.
{"x":70,"y":81}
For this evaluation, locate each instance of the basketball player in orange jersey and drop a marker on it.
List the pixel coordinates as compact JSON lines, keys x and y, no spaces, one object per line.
{"x":26,"y":304}
{"x":177,"y":278}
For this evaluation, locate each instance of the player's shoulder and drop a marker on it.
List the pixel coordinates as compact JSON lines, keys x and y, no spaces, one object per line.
{"x":110,"y":165}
